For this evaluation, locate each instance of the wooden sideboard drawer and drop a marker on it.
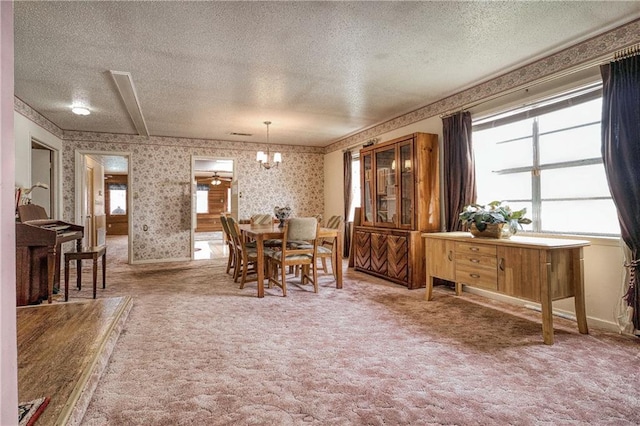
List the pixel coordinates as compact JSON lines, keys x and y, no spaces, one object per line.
{"x":485,"y":276}
{"x":478,"y":249}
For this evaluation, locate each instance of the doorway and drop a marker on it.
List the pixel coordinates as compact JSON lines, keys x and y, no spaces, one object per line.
{"x":43,"y":172}
{"x":212,"y":178}
{"x":96,"y":191}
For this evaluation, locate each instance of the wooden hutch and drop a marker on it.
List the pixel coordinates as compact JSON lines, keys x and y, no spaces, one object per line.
{"x":400,"y":200}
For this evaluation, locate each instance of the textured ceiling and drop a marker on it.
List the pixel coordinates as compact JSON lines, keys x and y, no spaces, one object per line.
{"x":318,"y":70}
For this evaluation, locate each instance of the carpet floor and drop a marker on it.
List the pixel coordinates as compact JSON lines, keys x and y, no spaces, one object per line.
{"x":197,"y":350}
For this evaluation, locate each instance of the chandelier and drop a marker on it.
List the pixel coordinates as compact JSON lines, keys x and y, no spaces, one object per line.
{"x":263,"y":158}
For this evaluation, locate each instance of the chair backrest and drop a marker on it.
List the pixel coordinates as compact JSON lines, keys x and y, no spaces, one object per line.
{"x":234,"y":231}
{"x":334,"y":222}
{"x":225,"y":227}
{"x":319,"y":217}
{"x":301,"y":229}
{"x":261,"y":219}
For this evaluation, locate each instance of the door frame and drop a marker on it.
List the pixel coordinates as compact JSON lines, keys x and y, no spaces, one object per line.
{"x":194,"y":215}
{"x":55,"y":211}
{"x":80,"y":186}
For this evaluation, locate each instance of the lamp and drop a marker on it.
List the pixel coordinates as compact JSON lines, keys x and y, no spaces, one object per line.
{"x":216,"y":181}
{"x":263,"y":158}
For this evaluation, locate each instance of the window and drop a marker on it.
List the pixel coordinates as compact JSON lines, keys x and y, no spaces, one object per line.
{"x":547,"y":158}
{"x":202,"y":198}
{"x":117,"y":198}
{"x":355,"y":186}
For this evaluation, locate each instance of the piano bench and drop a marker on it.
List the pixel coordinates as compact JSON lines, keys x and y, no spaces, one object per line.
{"x":93,"y":253}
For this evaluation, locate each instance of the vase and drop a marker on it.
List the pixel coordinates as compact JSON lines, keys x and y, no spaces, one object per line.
{"x":282,"y":214}
{"x":493,"y":230}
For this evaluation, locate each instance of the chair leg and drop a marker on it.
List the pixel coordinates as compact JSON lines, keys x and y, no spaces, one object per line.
{"x":283,"y":277}
{"x":323,"y":260}
{"x":315,"y":278}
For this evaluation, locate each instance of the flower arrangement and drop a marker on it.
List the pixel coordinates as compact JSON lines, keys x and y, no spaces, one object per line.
{"x":481,"y":216}
{"x":282,"y":214}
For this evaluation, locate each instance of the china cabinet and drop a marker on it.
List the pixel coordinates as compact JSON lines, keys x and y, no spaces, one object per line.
{"x":400,"y":199}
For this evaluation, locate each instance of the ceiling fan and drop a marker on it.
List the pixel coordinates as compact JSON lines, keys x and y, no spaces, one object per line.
{"x":217,"y":179}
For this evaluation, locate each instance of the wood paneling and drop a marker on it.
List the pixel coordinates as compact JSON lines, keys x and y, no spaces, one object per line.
{"x":218,"y":204}
{"x":117,"y":224}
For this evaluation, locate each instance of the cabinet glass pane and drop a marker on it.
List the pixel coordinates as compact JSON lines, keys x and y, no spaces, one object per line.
{"x":386,"y":207}
{"x":406,"y":185}
{"x":367,"y":206}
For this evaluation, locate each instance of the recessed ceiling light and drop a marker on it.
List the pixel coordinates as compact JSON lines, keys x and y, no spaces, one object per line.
{"x":80,"y":110}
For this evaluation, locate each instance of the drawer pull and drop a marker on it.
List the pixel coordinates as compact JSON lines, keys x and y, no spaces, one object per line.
{"x":474,"y":275}
{"x":450,"y":256}
{"x":474,"y":249}
{"x":475,"y":260}
{"x":501,"y":264}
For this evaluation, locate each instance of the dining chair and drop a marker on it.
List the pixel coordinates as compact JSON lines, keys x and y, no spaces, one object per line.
{"x":229,"y":241}
{"x":328,"y":246}
{"x":298,"y":229}
{"x":246,"y":255}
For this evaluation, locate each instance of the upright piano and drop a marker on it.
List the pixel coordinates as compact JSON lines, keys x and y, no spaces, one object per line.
{"x":38,"y":253}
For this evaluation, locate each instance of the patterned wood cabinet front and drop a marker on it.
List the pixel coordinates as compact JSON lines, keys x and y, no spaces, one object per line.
{"x":387,"y":253}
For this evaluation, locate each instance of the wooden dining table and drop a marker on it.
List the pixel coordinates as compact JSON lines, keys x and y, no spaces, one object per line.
{"x":260,"y":233}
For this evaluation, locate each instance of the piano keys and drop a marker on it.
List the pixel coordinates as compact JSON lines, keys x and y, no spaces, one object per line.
{"x":38,"y":254}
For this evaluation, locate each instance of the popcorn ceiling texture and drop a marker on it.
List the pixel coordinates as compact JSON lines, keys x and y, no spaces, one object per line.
{"x":160,"y":184}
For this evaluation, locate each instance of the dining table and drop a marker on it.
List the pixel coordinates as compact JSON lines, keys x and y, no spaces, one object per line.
{"x":260,"y":233}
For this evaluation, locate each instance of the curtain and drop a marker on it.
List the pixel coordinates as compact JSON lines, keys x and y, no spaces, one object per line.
{"x":621,"y":156}
{"x":459,"y":168}
{"x":347,"y":159}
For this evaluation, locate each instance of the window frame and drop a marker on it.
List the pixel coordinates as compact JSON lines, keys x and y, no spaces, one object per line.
{"x":534,"y":111}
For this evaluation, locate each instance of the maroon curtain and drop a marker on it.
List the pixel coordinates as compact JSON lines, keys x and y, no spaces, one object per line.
{"x":347,"y":158}
{"x":459,"y":168}
{"x":621,"y":156}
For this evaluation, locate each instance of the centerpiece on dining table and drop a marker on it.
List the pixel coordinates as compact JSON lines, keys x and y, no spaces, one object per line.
{"x":282,"y":214}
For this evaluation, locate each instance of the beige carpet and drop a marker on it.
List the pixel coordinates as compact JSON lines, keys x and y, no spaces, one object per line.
{"x":196,"y":350}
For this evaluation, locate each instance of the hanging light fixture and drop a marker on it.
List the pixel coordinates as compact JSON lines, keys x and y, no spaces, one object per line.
{"x":263,"y":158}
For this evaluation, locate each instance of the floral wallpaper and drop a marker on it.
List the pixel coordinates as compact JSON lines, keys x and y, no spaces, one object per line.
{"x":160,"y":184}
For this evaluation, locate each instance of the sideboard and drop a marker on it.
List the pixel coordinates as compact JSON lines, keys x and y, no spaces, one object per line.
{"x":537,"y":269}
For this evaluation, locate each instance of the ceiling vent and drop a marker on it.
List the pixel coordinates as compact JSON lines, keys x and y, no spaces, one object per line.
{"x":240,"y":134}
{"x":124,"y":83}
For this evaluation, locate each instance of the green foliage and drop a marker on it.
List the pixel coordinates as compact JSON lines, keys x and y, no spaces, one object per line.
{"x":494,"y":212}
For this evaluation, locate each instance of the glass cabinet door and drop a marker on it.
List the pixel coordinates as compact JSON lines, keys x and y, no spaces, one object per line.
{"x":367,"y":189}
{"x":386,"y":185}
{"x":407,"y":189}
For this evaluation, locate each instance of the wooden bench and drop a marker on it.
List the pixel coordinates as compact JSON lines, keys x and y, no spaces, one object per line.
{"x":93,"y":253}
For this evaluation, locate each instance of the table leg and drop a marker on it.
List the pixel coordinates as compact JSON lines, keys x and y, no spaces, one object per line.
{"x":260,"y":266}
{"x":51,"y":273}
{"x":104,"y":269}
{"x":578,"y":290}
{"x":95,"y":274}
{"x":429,"y":284}
{"x":545,"y":302}
{"x":66,"y":280}
{"x":338,"y":259}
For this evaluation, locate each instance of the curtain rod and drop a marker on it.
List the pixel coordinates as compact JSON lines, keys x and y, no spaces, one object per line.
{"x":627,"y":52}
